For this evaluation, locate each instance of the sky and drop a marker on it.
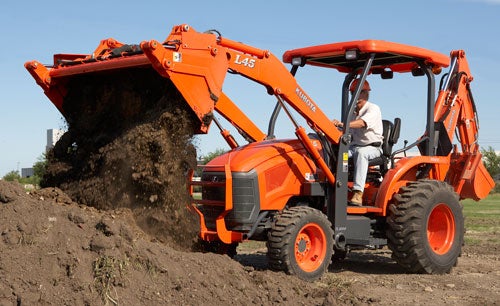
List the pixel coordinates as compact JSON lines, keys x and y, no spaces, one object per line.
{"x":36,"y":30}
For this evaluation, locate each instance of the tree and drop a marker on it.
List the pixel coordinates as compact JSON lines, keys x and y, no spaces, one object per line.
{"x":12,"y":176}
{"x":40,"y":166}
{"x":491,"y":161}
{"x":211,"y":155}
{"x":39,"y":169}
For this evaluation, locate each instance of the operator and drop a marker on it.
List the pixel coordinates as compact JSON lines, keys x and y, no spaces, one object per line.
{"x":367,"y":138}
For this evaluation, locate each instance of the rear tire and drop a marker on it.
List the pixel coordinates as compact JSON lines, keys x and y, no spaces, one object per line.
{"x":301,"y":243}
{"x":426,"y":227}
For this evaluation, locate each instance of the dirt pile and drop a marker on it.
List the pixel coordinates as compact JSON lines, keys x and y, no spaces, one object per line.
{"x":54,"y":251}
{"x":128,"y":145}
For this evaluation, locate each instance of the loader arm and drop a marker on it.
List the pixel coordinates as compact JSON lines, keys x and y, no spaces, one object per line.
{"x":197,"y":64}
{"x":231,"y":112}
{"x":455,"y":113}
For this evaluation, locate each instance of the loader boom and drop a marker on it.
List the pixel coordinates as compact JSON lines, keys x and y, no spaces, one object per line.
{"x":178,"y":59}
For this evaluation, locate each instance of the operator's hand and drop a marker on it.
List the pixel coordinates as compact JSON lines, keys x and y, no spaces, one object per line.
{"x":337,"y":123}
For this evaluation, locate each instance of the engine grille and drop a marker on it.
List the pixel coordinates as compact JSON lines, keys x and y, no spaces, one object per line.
{"x":246,"y":204}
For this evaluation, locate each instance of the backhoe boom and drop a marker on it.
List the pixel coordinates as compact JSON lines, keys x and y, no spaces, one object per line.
{"x":455,"y":112}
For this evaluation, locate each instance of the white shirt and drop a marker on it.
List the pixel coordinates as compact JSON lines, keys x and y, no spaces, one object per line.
{"x":372,"y":116}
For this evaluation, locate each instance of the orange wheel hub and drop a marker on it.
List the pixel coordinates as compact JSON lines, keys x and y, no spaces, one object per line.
{"x":441,"y":229}
{"x":310,"y":247}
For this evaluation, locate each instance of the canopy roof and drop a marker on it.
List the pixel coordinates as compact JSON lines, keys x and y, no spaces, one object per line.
{"x":394,"y":56}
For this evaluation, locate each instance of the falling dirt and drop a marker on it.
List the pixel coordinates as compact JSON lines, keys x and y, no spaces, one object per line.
{"x":128,"y":145}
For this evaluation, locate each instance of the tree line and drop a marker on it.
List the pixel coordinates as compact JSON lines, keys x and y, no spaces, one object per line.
{"x":39,"y":168}
{"x":490,"y":158}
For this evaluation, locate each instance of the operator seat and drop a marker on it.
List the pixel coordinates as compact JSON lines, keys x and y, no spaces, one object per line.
{"x":391,"y":136}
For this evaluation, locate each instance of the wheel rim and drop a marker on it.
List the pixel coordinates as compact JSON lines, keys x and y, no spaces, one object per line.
{"x":310,"y":247}
{"x":441,"y":229}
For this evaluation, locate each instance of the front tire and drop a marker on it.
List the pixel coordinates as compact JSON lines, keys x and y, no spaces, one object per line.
{"x":426,"y":227}
{"x":301,"y":243}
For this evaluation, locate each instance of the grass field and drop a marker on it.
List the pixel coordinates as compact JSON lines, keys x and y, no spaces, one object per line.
{"x":488,"y":208}
{"x":482,"y":220}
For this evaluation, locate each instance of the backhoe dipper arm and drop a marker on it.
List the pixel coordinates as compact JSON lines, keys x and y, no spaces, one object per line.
{"x":456,"y":110}
{"x":455,"y":106}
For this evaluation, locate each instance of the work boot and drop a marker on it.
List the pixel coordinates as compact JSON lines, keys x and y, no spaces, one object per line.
{"x":357,"y":198}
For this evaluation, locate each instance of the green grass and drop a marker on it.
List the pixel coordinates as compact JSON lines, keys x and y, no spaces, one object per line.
{"x":490,"y":206}
{"x":482,"y":222}
{"x":197,"y":195}
{"x":483,"y":216}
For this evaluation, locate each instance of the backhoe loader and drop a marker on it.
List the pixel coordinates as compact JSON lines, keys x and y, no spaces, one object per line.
{"x":293,"y":193}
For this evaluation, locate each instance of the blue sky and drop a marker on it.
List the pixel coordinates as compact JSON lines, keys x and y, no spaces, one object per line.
{"x":41,"y":28}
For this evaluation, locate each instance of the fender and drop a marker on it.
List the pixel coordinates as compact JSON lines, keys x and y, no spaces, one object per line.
{"x":406,"y":171}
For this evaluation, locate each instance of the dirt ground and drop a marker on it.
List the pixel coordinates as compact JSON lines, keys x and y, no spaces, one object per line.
{"x":110,"y":225}
{"x":54,"y":251}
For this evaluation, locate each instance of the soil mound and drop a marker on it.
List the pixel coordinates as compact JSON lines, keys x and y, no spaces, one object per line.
{"x":128,"y":144}
{"x":9,"y":191}
{"x":54,"y":251}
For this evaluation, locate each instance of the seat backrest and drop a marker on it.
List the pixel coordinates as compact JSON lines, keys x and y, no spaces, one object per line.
{"x":386,"y":146}
{"x":395,"y":132}
{"x":391,"y":135}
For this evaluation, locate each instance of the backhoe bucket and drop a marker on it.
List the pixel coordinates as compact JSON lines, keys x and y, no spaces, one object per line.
{"x":478,"y":185}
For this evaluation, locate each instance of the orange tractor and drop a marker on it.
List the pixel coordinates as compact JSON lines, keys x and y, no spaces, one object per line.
{"x":293,"y":193}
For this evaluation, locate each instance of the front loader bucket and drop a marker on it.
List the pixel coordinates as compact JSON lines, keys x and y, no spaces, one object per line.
{"x":120,"y":94}
{"x":120,"y":82}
